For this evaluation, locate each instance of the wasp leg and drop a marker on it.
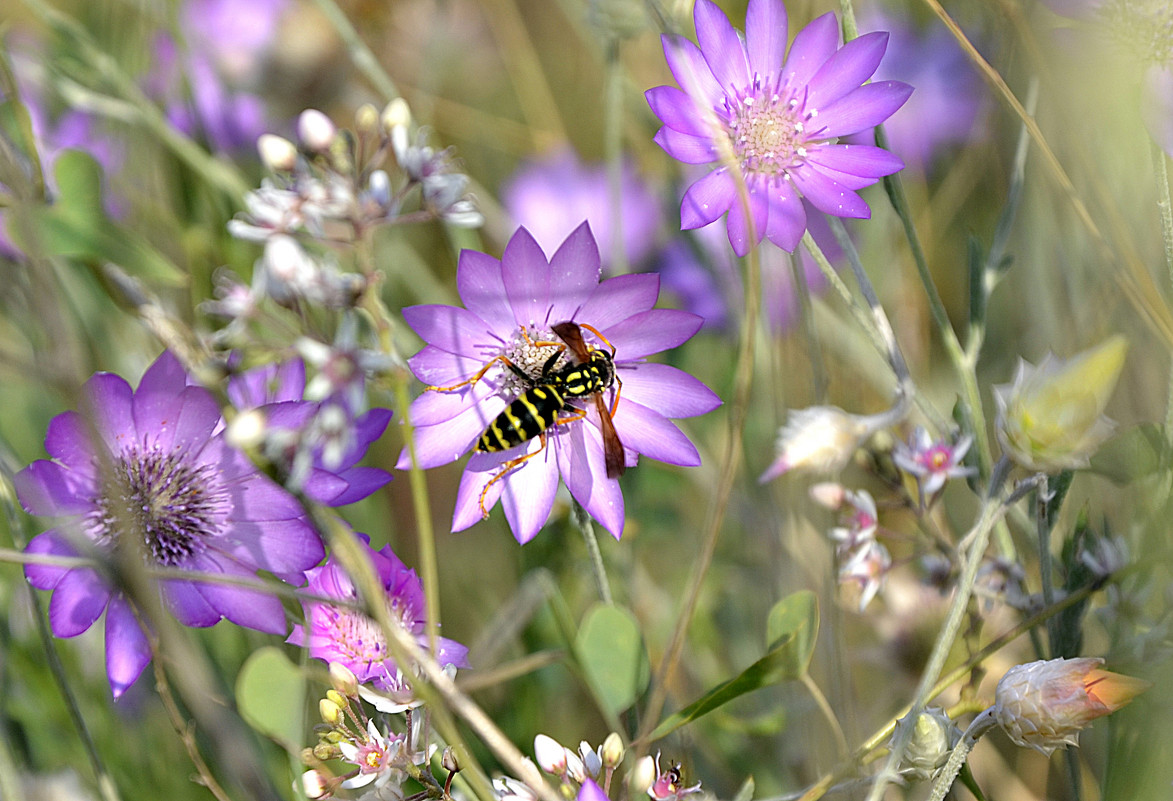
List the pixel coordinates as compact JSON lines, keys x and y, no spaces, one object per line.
{"x":602,"y":338}
{"x":508,"y":467}
{"x":480,"y":374}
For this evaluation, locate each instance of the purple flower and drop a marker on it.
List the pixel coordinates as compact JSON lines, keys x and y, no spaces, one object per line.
{"x":777,"y":119}
{"x":344,"y":635}
{"x":948,"y":106}
{"x":174,"y":488}
{"x":511,"y":306}
{"x":324,"y":467}
{"x":932,"y":462}
{"x":551,"y":198}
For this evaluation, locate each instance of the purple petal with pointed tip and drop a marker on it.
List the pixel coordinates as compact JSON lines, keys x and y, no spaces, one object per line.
{"x":707,"y":199}
{"x":863,"y":108}
{"x":686,"y":148}
{"x":677,"y":110}
{"x":127,"y":650}
{"x":765,"y":35}
{"x":723,"y":49}
{"x":651,"y":332}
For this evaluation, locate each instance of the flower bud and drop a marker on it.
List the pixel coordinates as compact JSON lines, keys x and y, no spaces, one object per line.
{"x":335,"y":697}
{"x":1051,"y":417}
{"x":933,"y":737}
{"x":824,"y":438}
{"x":366,"y":118}
{"x":247,"y":429}
{"x":1044,"y":705}
{"x":449,"y":760}
{"x":829,"y":494}
{"x":277,"y":153}
{"x":396,"y":115}
{"x":612,"y":751}
{"x":551,"y":755}
{"x":314,"y":784}
{"x":330,"y":712}
{"x":642,"y":776}
{"x":592,"y":763}
{"x":315,"y":130}
{"x":343,"y":679}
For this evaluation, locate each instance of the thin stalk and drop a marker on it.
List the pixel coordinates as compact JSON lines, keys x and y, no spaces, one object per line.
{"x":807,"y":319}
{"x":1043,"y":524}
{"x":828,"y":713}
{"x":981,"y":724}
{"x":731,"y":459}
{"x":359,"y":53}
{"x":583,"y":521}
{"x":1165,"y":207}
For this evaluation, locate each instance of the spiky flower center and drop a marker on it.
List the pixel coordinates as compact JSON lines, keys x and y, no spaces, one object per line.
{"x":768,"y":128}
{"x":1143,"y":27}
{"x":357,"y":637}
{"x":529,"y":351}
{"x":162,"y":500}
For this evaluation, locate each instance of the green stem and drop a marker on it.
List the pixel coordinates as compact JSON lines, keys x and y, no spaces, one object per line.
{"x":1043,"y":524}
{"x":360,"y":54}
{"x":981,"y":724}
{"x":613,"y":154}
{"x":1165,"y":207}
{"x":583,"y":521}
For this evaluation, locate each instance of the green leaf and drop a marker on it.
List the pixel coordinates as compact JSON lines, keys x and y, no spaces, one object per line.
{"x":745,"y":792}
{"x":76,"y":225}
{"x":610,"y":649}
{"x":1134,"y":453}
{"x":791,"y":630}
{"x":970,"y":782}
{"x":270,"y":693}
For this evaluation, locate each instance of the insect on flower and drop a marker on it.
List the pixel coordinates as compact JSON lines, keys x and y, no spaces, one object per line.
{"x":588,"y":374}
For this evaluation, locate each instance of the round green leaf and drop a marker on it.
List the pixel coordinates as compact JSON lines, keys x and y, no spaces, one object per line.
{"x":610,"y":649}
{"x":270,"y":693}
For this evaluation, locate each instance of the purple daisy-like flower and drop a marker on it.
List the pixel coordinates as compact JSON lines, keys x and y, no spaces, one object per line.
{"x":932,"y":462}
{"x":176,"y":489}
{"x":344,"y":635}
{"x":512,"y":305}
{"x":328,"y":475}
{"x":777,"y":118}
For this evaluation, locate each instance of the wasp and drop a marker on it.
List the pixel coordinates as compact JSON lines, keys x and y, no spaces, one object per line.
{"x":587,"y":374}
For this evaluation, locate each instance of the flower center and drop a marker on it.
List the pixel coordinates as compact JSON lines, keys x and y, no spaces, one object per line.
{"x":768,"y":128}
{"x":359,"y":637}
{"x":162,"y":501}
{"x":529,"y":351}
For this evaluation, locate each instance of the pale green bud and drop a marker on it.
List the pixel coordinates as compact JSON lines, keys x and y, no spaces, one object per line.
{"x":330,"y":712}
{"x":276,"y":152}
{"x":1051,"y":417}
{"x":366,"y":118}
{"x":642,"y":776}
{"x":397,"y":114}
{"x":612,"y":750}
{"x":315,"y":130}
{"x":343,"y":680}
{"x":933,"y":737}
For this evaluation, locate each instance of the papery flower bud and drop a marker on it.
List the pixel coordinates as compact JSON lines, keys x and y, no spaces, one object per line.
{"x":315,"y":130}
{"x":829,"y":494}
{"x":1044,"y":705}
{"x":642,"y":776}
{"x":314,"y":784}
{"x":343,"y":680}
{"x":612,"y":750}
{"x":330,"y":712}
{"x":550,"y":754}
{"x":277,"y":153}
{"x":1051,"y":417}
{"x":247,"y":429}
{"x":824,"y":438}
{"x":933,"y":737}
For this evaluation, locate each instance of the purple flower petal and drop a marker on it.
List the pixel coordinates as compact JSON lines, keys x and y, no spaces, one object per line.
{"x":691,"y":71}
{"x":829,"y":196}
{"x":723,"y":49}
{"x":650,"y":433}
{"x":441,"y":368}
{"x":528,"y":495}
{"x":686,"y":148}
{"x":189,"y":606}
{"x":651,"y":332}
{"x":324,"y":486}
{"x":788,"y":217}
{"x":858,"y":160}
{"x":78,"y":600}
{"x":812,"y":46}
{"x":283,"y":547}
{"x":671,"y":391}
{"x":478,"y":473}
{"x":258,"y":498}
{"x":678,"y":111}
{"x":252,"y":609}
{"x":433,"y":408}
{"x":707,"y":199}
{"x":863,"y":108}
{"x":361,"y":483}
{"x":741,"y":236}
{"x":441,"y":444}
{"x":582,"y":465}
{"x":450,"y":328}
{"x":109,"y":401}
{"x":482,"y":289}
{"x":50,"y":490}
{"x":526,"y":274}
{"x":847,"y":69}
{"x":70,"y":440}
{"x":765,"y":34}
{"x":574,"y":273}
{"x":48,"y":543}
{"x":620,"y":297}
{"x":127,"y":649}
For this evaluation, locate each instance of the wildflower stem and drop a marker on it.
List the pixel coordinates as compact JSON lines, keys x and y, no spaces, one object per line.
{"x":828,"y":713}
{"x":1043,"y":524}
{"x":186,"y":733}
{"x":1165,"y":207}
{"x":977,"y":539}
{"x":981,"y":724}
{"x":583,"y":521}
{"x":806,"y":317}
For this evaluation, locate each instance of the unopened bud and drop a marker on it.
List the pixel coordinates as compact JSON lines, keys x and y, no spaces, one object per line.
{"x":330,"y":712}
{"x":612,"y":751}
{"x":247,"y":429}
{"x":397,"y":114}
{"x":1044,"y":705}
{"x":449,"y":760}
{"x":824,"y":438}
{"x":642,"y":776}
{"x":933,"y":737}
{"x":314,"y":784}
{"x":336,"y":697}
{"x":315,"y":130}
{"x":366,"y":118}
{"x":277,"y":153}
{"x":829,"y":494}
{"x":550,"y":754}
{"x":343,"y":679}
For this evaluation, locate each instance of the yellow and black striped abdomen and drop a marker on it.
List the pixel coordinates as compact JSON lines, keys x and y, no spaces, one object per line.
{"x":528,"y":415}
